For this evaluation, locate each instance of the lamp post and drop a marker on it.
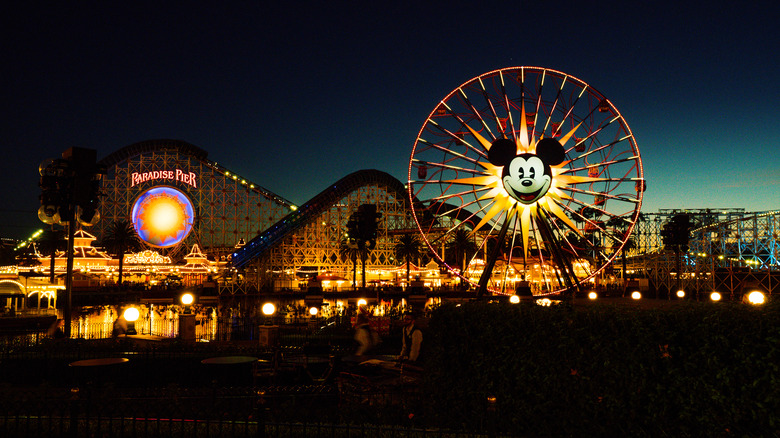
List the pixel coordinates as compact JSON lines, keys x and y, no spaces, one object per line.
{"x":131,"y":314}
{"x":187,"y":319}
{"x":187,"y":299}
{"x":268,"y":334}
{"x":268,"y":310}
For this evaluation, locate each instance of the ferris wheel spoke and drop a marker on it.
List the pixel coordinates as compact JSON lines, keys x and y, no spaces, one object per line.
{"x":456,"y":138}
{"x":573,"y":105}
{"x":452,"y":167}
{"x":460,"y":194}
{"x":448,"y":151}
{"x":607,"y":196}
{"x":598,"y":129}
{"x":538,"y":103}
{"x":499,"y":126}
{"x":460,"y":208}
{"x":603,"y":164}
{"x":475,"y":113}
{"x":553,"y":107}
{"x":510,"y":121}
{"x":605,"y":146}
{"x":585,"y":219}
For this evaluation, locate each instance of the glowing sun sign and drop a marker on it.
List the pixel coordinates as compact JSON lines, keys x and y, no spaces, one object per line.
{"x":163,"y":216}
{"x":525,"y":176}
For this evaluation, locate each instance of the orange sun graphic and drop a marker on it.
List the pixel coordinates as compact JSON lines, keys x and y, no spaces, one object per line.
{"x":502,"y":201}
{"x":162,"y":216}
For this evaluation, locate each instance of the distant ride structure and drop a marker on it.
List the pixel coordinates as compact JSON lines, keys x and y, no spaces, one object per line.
{"x":730,"y":250}
{"x":536,"y":171}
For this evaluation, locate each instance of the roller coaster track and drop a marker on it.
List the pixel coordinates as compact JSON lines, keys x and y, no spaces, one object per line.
{"x":311,"y":210}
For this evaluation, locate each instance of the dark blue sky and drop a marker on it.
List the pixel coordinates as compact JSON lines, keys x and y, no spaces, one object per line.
{"x":296,"y":96}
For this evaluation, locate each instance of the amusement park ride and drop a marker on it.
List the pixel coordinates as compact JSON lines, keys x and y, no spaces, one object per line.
{"x":539,"y":168}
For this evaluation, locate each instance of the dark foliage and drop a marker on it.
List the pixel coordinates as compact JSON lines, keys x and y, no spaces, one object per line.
{"x":698,"y":370}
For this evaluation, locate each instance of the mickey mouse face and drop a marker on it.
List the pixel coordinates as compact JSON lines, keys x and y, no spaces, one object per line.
{"x":526,"y":177}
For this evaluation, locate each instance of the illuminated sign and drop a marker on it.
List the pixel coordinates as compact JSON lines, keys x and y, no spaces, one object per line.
{"x":163,"y":216}
{"x":188,"y":178}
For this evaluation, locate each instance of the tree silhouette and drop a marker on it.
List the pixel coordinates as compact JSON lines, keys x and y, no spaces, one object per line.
{"x":121,"y":239}
{"x":620,"y":226}
{"x":462,"y":246}
{"x":408,"y":247}
{"x":351,"y":252}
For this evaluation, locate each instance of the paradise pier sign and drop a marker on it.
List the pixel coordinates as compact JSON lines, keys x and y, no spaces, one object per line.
{"x":179,"y":175}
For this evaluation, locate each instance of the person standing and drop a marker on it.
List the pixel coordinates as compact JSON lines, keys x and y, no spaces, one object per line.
{"x":363,"y":335}
{"x":411,"y":339}
{"x":120,"y":327}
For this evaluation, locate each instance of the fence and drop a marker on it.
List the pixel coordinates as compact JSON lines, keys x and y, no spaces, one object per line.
{"x":207,"y":327}
{"x":311,"y":411}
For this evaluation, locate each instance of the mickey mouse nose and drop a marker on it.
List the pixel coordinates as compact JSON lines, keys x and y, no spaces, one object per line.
{"x":526,"y":182}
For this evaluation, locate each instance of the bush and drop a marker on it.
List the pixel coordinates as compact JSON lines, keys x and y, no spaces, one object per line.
{"x":691,"y":370}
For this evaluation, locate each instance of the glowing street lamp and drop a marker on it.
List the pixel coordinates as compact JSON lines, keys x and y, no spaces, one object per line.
{"x":268,"y":310}
{"x":314,"y":311}
{"x":755,"y":298}
{"x":636,"y":295}
{"x":592,"y":295}
{"x":514,"y":299}
{"x":362,"y":302}
{"x":680,"y":293}
{"x":715,"y":296}
{"x":131,"y":314}
{"x":186,"y":300}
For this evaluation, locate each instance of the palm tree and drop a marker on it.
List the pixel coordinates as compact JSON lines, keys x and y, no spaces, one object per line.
{"x":462,"y":245}
{"x":51,"y":241}
{"x":620,"y":225}
{"x":351,"y":253}
{"x":409,"y":247}
{"x":120,"y":239}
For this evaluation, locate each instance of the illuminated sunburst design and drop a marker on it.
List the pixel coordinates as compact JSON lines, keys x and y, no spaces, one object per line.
{"x":481,"y":170}
{"x":163,"y":216}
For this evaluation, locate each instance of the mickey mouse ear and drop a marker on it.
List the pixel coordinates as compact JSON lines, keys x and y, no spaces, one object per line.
{"x":550,"y":151}
{"x":502,"y":151}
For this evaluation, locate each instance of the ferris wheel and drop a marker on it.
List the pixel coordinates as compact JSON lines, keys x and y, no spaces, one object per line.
{"x":525,"y":176}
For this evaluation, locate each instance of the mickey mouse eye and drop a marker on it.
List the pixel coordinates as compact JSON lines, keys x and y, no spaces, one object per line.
{"x":532,"y":173}
{"x":520,"y":172}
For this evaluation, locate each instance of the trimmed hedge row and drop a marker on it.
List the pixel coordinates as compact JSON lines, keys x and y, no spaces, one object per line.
{"x":696,"y":369}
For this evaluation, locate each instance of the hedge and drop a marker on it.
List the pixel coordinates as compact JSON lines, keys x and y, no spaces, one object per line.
{"x":697,"y":369}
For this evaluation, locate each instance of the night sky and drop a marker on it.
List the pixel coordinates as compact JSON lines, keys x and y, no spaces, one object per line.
{"x":295,"y":96}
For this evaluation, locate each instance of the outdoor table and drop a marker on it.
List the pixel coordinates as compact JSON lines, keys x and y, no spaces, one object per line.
{"x":99,"y":362}
{"x":95,"y":372}
{"x":228,"y":369}
{"x":229,"y":360}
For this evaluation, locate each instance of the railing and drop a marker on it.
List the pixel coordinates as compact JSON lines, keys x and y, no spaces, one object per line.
{"x":34,"y":312}
{"x":206,"y":327}
{"x":310,"y":411}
